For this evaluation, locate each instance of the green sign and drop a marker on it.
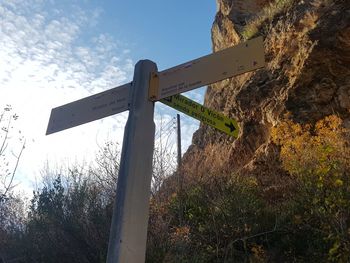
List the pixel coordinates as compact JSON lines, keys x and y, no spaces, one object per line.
{"x":203,"y":114}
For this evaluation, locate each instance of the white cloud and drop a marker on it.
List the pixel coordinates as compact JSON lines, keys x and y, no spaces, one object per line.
{"x":46,"y":60}
{"x":43,"y":66}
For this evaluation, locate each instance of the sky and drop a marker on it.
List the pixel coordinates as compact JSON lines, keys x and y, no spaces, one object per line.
{"x":56,"y":51}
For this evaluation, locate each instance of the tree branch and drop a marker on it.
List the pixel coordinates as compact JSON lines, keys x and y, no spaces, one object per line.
{"x":8,"y":187}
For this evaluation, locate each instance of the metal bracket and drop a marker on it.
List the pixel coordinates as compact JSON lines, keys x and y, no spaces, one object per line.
{"x":153,"y":87}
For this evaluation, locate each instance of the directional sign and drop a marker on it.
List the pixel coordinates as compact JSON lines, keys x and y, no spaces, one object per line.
{"x":89,"y":109}
{"x":244,"y":57}
{"x":128,"y":233}
{"x":203,"y":114}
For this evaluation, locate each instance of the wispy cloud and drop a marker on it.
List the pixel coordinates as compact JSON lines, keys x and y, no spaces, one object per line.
{"x":47,"y":59}
{"x":45,"y":62}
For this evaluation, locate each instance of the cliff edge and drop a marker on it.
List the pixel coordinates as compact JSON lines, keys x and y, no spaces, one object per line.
{"x":307,"y":75}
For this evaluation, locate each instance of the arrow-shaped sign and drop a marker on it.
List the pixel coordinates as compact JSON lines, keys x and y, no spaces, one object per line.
{"x":244,"y":57}
{"x":203,"y":114}
{"x":88,"y":109}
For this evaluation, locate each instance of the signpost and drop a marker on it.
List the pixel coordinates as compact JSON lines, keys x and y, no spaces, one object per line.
{"x":203,"y":114}
{"x":127,"y":239}
{"x":128,"y":233}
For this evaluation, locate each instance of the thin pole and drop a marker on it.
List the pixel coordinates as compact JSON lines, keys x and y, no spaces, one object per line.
{"x":179,"y":170}
{"x":128,"y":235}
{"x":179,"y":154}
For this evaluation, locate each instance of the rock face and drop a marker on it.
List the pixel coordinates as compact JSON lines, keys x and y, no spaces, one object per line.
{"x":240,"y":11}
{"x":307,"y":48}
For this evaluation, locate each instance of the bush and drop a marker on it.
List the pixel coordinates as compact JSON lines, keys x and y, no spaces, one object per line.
{"x":68,"y":225}
{"x":318,"y":157}
{"x":224,"y":220}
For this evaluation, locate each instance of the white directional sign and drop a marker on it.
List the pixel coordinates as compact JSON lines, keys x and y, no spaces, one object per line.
{"x":89,"y":109}
{"x":244,"y":57}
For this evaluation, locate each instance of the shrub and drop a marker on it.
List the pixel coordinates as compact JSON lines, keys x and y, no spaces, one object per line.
{"x":318,"y":157}
{"x":224,"y":220}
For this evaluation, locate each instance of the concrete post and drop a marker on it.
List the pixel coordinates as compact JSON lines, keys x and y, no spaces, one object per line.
{"x":128,"y":235}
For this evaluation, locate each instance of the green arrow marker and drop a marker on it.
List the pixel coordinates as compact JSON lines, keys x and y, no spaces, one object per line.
{"x":203,"y":114}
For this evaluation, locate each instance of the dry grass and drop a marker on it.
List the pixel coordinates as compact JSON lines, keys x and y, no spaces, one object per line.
{"x":267,"y":14}
{"x":289,"y":48}
{"x":288,"y":44}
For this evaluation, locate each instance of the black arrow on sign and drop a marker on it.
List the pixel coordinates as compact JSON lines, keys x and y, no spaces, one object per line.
{"x":169,"y":99}
{"x":230,"y":126}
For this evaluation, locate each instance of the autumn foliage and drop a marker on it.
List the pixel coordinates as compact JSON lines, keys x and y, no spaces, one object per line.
{"x":227,"y":219}
{"x":215,"y":217}
{"x":319,"y":159}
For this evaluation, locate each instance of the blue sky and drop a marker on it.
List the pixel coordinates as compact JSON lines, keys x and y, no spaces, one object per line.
{"x":167,"y":32}
{"x":54,"y":52}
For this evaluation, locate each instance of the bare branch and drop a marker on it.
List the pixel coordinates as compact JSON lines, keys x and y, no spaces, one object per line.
{"x":4,"y":142}
{"x":8,"y":187}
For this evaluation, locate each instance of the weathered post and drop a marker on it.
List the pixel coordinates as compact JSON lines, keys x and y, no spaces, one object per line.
{"x":128,"y":235}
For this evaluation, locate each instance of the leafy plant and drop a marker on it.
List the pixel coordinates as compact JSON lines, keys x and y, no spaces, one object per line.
{"x":318,"y":157}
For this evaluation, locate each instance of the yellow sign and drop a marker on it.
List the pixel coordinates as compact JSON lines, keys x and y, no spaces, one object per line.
{"x":203,"y":114}
{"x":239,"y":59}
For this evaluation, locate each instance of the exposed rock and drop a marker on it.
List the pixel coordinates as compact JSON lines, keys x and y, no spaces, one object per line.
{"x":307,"y":49}
{"x":240,"y":11}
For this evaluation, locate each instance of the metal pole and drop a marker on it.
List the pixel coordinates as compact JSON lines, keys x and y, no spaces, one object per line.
{"x":128,"y":235}
{"x":179,"y":154}
{"x":179,"y":170}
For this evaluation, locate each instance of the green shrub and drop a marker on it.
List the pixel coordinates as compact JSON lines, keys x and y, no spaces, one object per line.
{"x":225,"y":219}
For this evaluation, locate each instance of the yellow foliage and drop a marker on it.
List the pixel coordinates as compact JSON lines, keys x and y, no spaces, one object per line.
{"x":259,"y":254}
{"x":181,"y":234}
{"x":320,"y":149}
{"x":319,"y":158}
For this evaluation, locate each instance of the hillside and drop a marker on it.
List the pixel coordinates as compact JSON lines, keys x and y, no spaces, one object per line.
{"x":307,"y":47}
{"x":280,"y":192}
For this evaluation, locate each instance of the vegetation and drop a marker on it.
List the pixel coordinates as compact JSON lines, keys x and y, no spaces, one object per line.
{"x":68,"y":225}
{"x":9,"y":162}
{"x":68,"y":219}
{"x":12,"y":145}
{"x":221,"y":223}
{"x":226,"y":219}
{"x":318,"y":158}
{"x":267,"y":14}
{"x":223,"y":217}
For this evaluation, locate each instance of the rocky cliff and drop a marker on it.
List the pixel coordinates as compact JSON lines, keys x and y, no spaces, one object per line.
{"x":307,"y":48}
